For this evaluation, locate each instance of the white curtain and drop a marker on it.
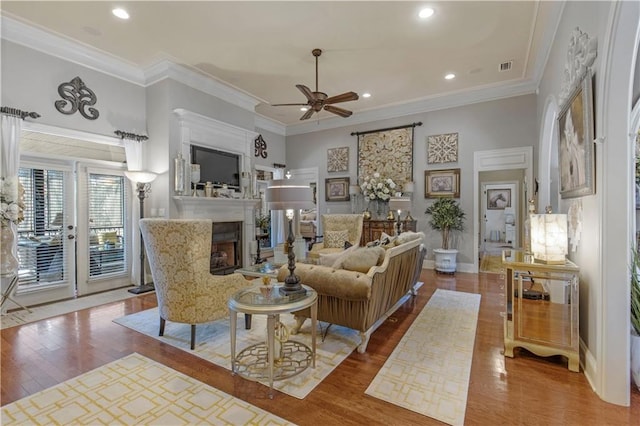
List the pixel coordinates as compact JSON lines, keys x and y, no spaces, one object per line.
{"x":133,"y":153}
{"x":11,"y":129}
{"x":278,"y":230}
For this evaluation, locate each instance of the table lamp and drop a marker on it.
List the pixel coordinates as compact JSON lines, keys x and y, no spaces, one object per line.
{"x":549,"y":242}
{"x":354,"y":191}
{"x":288,"y":194}
{"x":399,"y":204}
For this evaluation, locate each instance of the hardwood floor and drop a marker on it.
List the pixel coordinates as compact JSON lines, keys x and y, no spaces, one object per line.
{"x":523,"y":390}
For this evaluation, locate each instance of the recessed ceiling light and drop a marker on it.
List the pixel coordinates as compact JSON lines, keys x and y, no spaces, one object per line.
{"x":426,"y":13}
{"x":120,"y":13}
{"x":304,"y":109}
{"x":366,"y":95}
{"x":450,"y":76}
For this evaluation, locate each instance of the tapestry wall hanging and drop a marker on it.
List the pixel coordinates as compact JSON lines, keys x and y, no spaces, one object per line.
{"x":442,"y":148}
{"x":338,"y":159}
{"x":388,"y":152}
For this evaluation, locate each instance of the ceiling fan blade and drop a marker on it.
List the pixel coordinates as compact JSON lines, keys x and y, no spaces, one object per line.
{"x":306,"y":92}
{"x":344,"y":97}
{"x":307,"y":114}
{"x":288,"y":104}
{"x":341,"y":112}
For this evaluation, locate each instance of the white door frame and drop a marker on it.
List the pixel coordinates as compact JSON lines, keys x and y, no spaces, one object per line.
{"x":498,"y":159}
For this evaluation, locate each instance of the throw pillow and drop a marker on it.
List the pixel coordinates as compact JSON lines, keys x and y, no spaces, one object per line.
{"x":335,"y":239}
{"x":405,"y":237}
{"x":363,"y":259}
{"x":334,"y":259}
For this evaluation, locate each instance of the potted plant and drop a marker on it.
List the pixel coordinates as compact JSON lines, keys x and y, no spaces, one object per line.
{"x":446,"y":216}
{"x":635,"y":317}
{"x":263,"y":222}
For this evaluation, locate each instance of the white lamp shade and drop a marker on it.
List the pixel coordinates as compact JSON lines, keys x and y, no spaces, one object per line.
{"x":549,"y":242}
{"x":140,"y":176}
{"x":408,"y":187}
{"x":284,"y":194}
{"x":400,"y":203}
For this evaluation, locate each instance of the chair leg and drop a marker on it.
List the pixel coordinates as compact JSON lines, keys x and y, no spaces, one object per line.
{"x":162,"y":321}
{"x":193,"y":336}
{"x":247,"y":321}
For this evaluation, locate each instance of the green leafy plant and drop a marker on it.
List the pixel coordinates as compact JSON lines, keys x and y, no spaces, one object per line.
{"x":635,"y":291}
{"x":446,"y":216}
{"x":263,"y":221}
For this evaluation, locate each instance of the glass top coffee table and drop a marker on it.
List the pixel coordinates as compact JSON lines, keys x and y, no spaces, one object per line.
{"x":278,"y":358}
{"x":261,"y":270}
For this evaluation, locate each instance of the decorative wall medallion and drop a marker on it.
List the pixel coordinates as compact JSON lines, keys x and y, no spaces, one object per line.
{"x":260,"y":147}
{"x":581,"y":54}
{"x":77,"y":97}
{"x":338,"y":159}
{"x":442,"y":148}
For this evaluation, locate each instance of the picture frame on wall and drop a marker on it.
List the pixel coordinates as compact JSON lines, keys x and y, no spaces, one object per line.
{"x":576,"y":162}
{"x":338,"y":159}
{"x":337,"y":189}
{"x":442,"y":183}
{"x":498,"y":199}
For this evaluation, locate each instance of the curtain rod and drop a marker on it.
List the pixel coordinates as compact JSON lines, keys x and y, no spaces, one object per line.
{"x":132,"y":136}
{"x":18,"y":113}
{"x":419,"y":123}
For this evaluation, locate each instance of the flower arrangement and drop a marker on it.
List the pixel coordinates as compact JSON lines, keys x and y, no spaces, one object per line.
{"x":12,"y":201}
{"x":377,"y":188}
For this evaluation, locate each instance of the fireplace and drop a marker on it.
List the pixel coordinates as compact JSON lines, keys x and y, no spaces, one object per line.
{"x":226,"y":247}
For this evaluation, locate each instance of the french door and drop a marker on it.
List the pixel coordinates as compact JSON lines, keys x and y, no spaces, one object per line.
{"x":74,"y":239}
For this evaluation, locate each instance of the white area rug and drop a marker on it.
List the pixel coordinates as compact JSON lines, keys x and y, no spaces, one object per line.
{"x":131,"y":391}
{"x":428,"y":372}
{"x":213,"y":343}
{"x":38,"y":313}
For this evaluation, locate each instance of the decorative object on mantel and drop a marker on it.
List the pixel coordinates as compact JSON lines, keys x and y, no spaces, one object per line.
{"x":195,"y":178}
{"x":78,"y":97}
{"x":387,"y":151}
{"x":442,"y":148}
{"x":338,"y":159}
{"x":260,"y":147}
{"x":179,"y":167}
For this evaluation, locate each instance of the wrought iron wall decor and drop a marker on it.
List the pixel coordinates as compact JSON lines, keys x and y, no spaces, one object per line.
{"x":76,"y":96}
{"x":131,"y":136}
{"x":442,"y":148}
{"x":19,"y":113}
{"x":260,"y":147}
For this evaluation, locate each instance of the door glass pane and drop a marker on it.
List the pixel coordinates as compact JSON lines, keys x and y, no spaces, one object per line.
{"x":106,"y":224}
{"x":40,"y":245}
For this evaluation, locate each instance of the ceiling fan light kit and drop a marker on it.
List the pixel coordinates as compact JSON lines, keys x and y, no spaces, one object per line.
{"x":317,"y":101}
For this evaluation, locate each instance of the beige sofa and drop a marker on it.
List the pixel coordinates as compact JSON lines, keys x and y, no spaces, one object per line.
{"x":358,"y":300}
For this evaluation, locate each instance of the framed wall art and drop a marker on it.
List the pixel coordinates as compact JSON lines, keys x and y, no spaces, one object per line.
{"x":338,"y":159}
{"x":576,"y":161}
{"x":498,"y":199}
{"x":442,"y":148}
{"x":388,"y":152}
{"x":442,"y":183}
{"x":336,"y":189}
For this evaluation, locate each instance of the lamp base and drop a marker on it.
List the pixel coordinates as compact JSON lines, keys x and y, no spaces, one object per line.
{"x":292,"y":289}
{"x":144,"y":288}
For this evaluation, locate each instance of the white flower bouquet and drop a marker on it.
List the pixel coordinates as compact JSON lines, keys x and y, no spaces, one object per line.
{"x":377,"y":187}
{"x":12,"y":200}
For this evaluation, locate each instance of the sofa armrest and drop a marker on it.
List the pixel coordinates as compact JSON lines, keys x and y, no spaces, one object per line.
{"x":339,"y":283}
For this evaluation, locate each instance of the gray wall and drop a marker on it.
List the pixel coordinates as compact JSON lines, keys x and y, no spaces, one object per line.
{"x":484,"y":126}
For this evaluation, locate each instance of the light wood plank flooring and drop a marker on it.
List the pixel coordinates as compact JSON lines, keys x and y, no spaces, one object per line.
{"x":523,"y":390}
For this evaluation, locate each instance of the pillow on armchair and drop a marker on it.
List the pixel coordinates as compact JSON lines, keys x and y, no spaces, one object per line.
{"x":335,"y":239}
{"x":362,"y":259}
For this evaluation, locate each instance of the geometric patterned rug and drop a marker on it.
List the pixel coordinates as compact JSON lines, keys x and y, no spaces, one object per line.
{"x":213,"y":343}
{"x":130,"y":391}
{"x":428,"y":372}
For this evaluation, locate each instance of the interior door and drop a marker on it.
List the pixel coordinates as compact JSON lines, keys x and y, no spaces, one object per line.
{"x":104,"y":231}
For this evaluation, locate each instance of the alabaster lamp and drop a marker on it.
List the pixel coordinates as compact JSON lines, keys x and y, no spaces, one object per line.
{"x":288,"y":194}
{"x":549,"y":242}
{"x":143,"y":181}
{"x":399,"y":204}
{"x":354,"y":191}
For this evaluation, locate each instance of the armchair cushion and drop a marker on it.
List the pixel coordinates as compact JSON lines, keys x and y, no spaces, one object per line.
{"x":335,"y":239}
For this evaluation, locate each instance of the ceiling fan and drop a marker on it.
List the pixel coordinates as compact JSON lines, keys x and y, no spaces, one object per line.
{"x":317,"y":101}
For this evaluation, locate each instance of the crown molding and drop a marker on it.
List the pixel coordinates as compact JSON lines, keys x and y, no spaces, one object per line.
{"x":270,"y":125}
{"x":204,"y":83}
{"x":433,"y":103}
{"x":69,"y":50}
{"x":555,"y":11}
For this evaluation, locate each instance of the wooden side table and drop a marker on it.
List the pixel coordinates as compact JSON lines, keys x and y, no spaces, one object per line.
{"x":372,"y":229}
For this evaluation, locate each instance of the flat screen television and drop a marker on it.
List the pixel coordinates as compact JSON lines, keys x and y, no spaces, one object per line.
{"x":217,"y":167}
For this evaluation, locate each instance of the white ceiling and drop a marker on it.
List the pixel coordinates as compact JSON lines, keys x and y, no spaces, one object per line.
{"x":264,"y":48}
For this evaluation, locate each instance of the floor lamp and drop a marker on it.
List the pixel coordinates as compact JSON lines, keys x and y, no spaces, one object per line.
{"x":286,"y":194}
{"x":143,"y":186}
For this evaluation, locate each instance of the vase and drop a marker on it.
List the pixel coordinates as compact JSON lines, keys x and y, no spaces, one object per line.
{"x":8,"y":260}
{"x":382,"y":209}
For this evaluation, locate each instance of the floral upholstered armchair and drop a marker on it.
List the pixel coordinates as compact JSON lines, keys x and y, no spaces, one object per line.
{"x":336,"y":230}
{"x":179,"y":253}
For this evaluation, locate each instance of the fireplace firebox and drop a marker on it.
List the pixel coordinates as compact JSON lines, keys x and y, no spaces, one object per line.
{"x":226,"y":248}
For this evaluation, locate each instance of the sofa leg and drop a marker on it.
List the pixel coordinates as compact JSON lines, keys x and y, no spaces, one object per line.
{"x":193,"y":336}
{"x":364,"y":341}
{"x":299,"y":321}
{"x":161,"y":332}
